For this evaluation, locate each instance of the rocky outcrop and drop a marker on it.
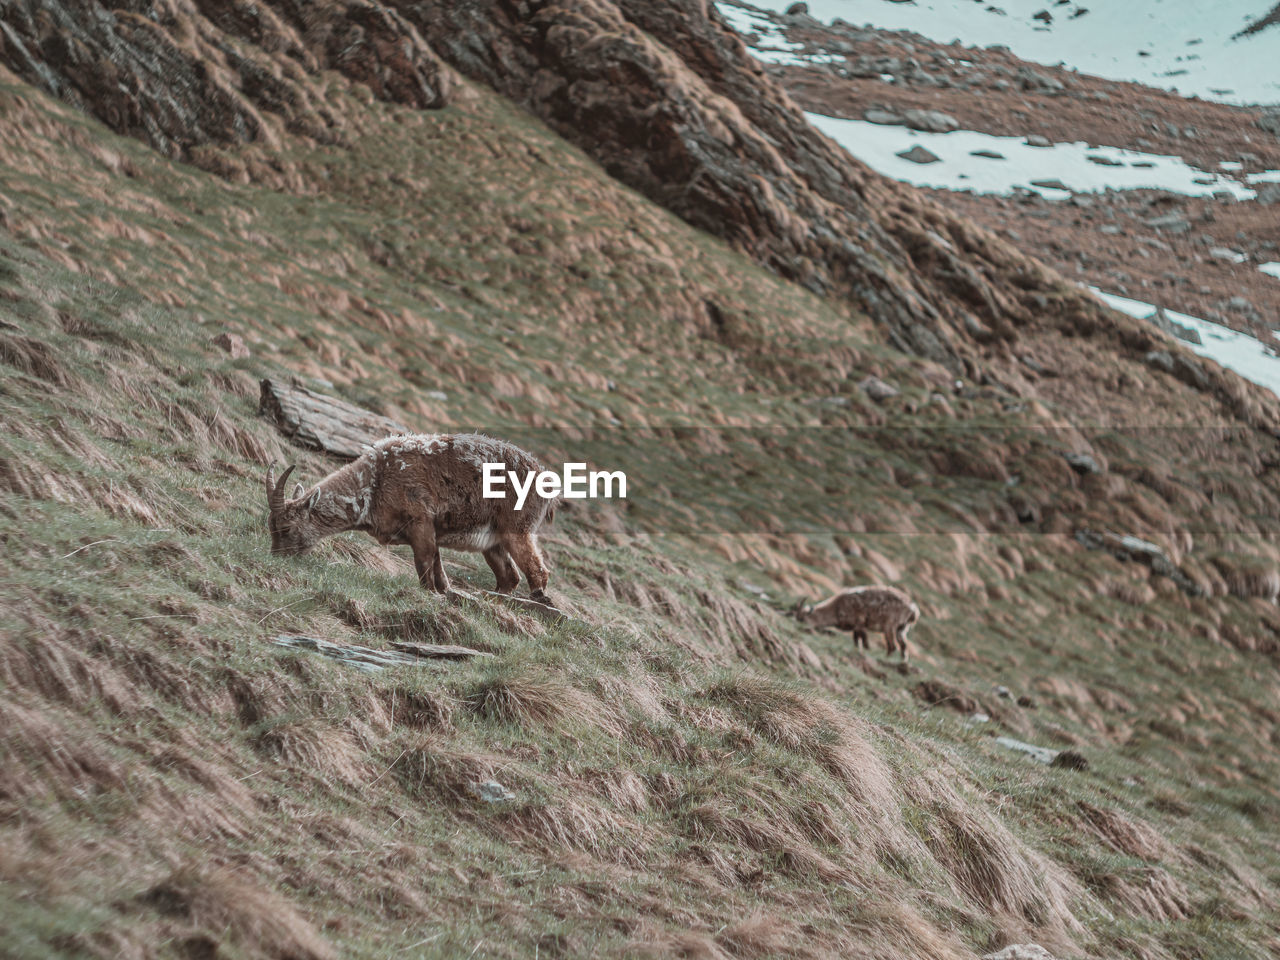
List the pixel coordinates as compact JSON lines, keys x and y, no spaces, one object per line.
{"x":667,"y":99}
{"x":181,"y":73}
{"x":664,"y":96}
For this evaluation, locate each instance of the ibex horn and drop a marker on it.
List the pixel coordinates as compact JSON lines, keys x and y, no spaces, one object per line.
{"x":275,"y":488}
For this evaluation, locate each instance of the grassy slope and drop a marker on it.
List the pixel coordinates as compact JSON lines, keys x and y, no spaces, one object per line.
{"x":692,"y":773}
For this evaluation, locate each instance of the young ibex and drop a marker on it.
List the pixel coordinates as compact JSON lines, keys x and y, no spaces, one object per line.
{"x":426,"y":491}
{"x":862,"y":609}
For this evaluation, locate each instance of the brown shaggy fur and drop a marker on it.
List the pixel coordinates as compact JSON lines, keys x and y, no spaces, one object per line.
{"x":425,"y":491}
{"x":887,"y":610}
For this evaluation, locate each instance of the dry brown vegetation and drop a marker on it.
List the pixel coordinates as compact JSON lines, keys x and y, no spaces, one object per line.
{"x":692,"y":774}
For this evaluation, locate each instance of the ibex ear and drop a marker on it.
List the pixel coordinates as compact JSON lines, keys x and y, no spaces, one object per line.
{"x":311,"y":500}
{"x":297,"y":491}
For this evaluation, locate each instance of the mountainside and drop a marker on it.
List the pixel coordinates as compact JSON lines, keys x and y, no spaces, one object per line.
{"x":1216,"y":51}
{"x":606,"y":232}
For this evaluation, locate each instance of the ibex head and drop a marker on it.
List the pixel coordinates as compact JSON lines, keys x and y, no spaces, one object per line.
{"x":289,"y":521}
{"x":801,"y":609}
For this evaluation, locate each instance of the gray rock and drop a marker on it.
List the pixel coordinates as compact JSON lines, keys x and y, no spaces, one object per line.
{"x":1082,"y":463}
{"x":1224,"y":253}
{"x":1049,"y":184}
{"x":1240,"y":305}
{"x":876,"y":115}
{"x":1020,"y":951}
{"x":1170,"y":222}
{"x":797,"y":8}
{"x":877,"y":389}
{"x":491,"y":791}
{"x":1111,"y":229}
{"x":1034,"y":80}
{"x":1269,"y":194}
{"x":369,"y":660}
{"x":1170,"y":326}
{"x":1039,"y":754}
{"x":933,"y":121}
{"x":1103,"y":161}
{"x":919,"y":154}
{"x":993,"y":155}
{"x":1035,"y":140}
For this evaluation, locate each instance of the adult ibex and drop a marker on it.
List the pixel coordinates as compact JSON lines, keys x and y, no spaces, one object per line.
{"x":862,"y":609}
{"x":426,"y":491}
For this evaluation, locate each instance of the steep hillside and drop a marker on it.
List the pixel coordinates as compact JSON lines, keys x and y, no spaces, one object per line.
{"x":684,"y":770}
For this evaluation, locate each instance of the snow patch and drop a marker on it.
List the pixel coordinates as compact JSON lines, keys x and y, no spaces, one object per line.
{"x":878,"y":145}
{"x":772,"y":45}
{"x":1147,"y":41}
{"x":1270,"y":269}
{"x":1246,"y":355}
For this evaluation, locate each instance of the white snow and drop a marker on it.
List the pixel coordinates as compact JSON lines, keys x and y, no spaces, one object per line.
{"x":1247,"y":356}
{"x":877,"y":145}
{"x":1270,"y":269}
{"x":773,"y":46}
{"x":1106,"y":41}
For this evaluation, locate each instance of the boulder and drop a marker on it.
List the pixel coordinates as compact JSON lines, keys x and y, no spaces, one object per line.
{"x":877,"y":389}
{"x":1269,"y":194}
{"x":1170,"y":222}
{"x":919,"y":154}
{"x":888,"y":117}
{"x":232,"y":343}
{"x":933,"y":121}
{"x":1170,"y":326}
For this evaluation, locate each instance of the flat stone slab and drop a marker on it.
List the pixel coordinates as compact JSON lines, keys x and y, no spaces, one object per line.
{"x":543,"y":610}
{"x":1040,"y":754}
{"x":323,"y":422}
{"x":369,"y":660}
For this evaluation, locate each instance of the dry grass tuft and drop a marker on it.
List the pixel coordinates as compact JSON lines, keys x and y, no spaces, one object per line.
{"x":814,"y":727}
{"x":34,"y":358}
{"x":219,"y":905}
{"x":35,"y":748}
{"x":420,"y":709}
{"x":775,"y":836}
{"x":435,"y":768}
{"x":1150,"y":892}
{"x":570,"y":824}
{"x":54,"y":663}
{"x":989,"y":864}
{"x":685,"y":944}
{"x":1247,"y":577}
{"x":1131,"y":837}
{"x":894,"y":928}
{"x":759,"y":935}
{"x":535,"y":699}
{"x":314,"y":746}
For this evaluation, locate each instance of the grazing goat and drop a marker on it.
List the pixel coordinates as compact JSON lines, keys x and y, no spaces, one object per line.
{"x":862,"y":609}
{"x":426,"y":491}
